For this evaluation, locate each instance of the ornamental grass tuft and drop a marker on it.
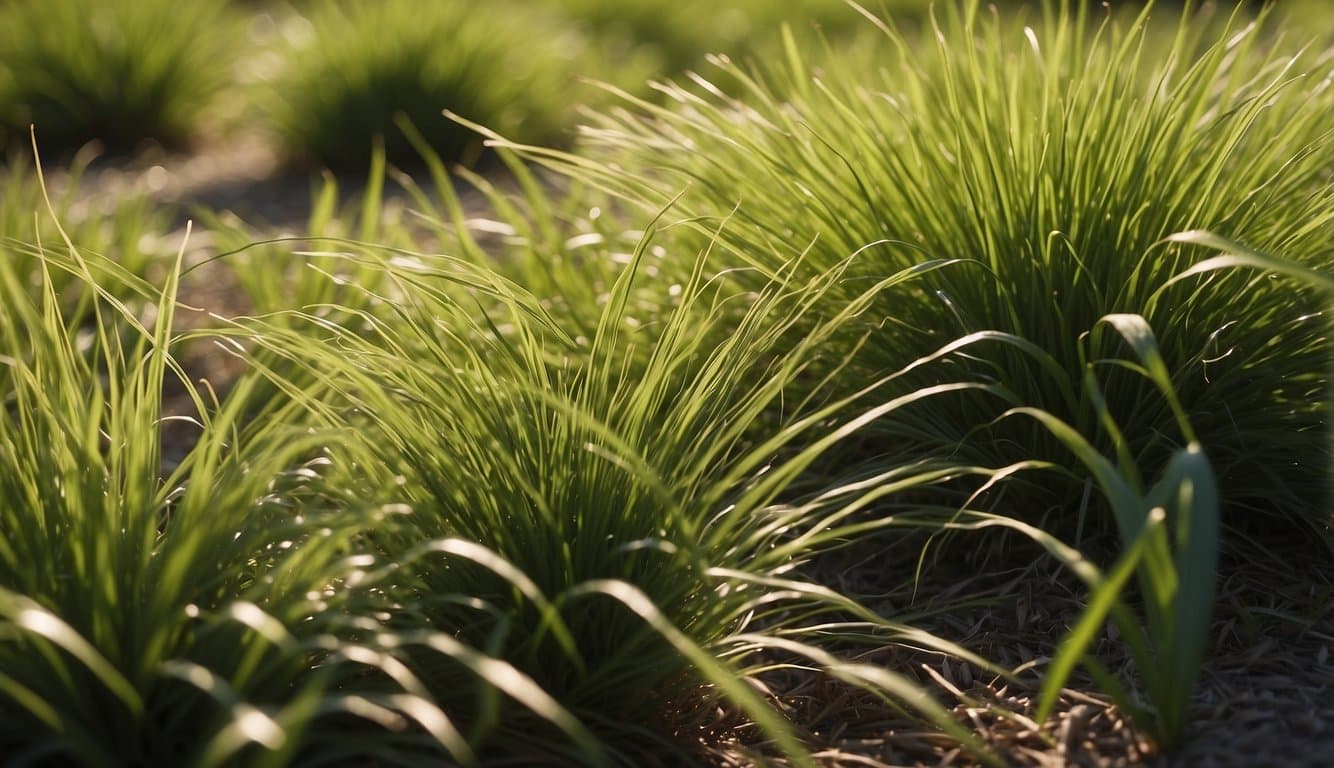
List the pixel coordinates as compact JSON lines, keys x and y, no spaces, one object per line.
{"x":344,"y":83}
{"x":626,"y":529}
{"x":1054,"y":161}
{"x":119,"y":72}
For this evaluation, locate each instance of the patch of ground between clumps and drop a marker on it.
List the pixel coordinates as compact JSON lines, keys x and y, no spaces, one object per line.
{"x":1263,"y":696}
{"x":848,"y":727}
{"x":1266,"y":691}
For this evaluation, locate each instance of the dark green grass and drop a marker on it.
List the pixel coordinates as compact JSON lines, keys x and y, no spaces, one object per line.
{"x":121,"y":72}
{"x":501,"y":64}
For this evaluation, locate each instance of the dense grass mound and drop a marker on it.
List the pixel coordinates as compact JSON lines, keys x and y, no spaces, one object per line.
{"x":143,"y":618}
{"x":1054,"y":163}
{"x":502,"y":65}
{"x":606,"y":501}
{"x":122,"y":72}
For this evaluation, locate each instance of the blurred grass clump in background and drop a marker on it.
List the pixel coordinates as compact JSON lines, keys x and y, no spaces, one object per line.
{"x":123,"y":72}
{"x":517,"y":66}
{"x":361,"y":63}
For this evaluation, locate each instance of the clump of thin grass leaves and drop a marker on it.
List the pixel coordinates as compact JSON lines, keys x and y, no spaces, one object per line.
{"x":122,"y":72}
{"x":1054,"y":161}
{"x":204,"y":616}
{"x":625,"y":512}
{"x":364,"y":62}
{"x":563,"y":243}
{"x":566,"y":243}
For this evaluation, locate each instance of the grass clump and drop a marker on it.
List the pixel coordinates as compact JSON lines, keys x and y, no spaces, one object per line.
{"x":196,"y":613}
{"x":620,"y":528}
{"x":121,"y":72}
{"x":1055,"y":162}
{"x":115,"y":587}
{"x":494,"y":63}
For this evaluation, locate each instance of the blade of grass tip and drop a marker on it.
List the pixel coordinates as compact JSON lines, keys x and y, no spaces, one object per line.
{"x":610,"y":322}
{"x":478,"y":128}
{"x":835,"y":599}
{"x":265,"y":626}
{"x":166,"y":312}
{"x":383,"y":711}
{"x":796,"y":63}
{"x":30,"y":701}
{"x":148,"y":381}
{"x":247,"y":724}
{"x":386,"y":710}
{"x":1190,"y":493}
{"x":431,"y":211}
{"x":1237,"y":255}
{"x":324,"y":207}
{"x":1124,"y":457}
{"x":435,"y":722}
{"x":1137,"y":332}
{"x":1081,"y":636}
{"x":724,"y":679}
{"x":1159,"y":589}
{"x":434,"y":165}
{"x":84,"y":271}
{"x":373,"y":197}
{"x":533,"y":193}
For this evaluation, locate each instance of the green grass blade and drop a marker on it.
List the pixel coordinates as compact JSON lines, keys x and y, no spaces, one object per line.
{"x":1101,"y":603}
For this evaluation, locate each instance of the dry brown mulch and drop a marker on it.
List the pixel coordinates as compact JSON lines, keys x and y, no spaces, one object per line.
{"x":1263,"y":699}
{"x":1266,"y":693}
